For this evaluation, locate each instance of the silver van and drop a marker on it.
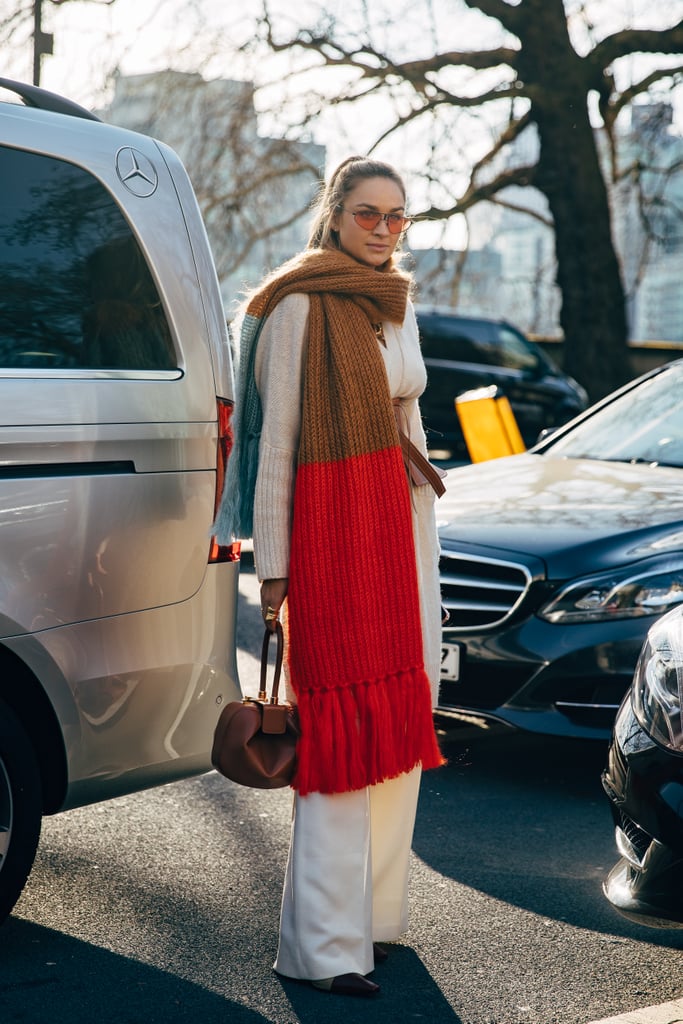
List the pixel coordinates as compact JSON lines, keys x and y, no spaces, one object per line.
{"x":117,"y":609}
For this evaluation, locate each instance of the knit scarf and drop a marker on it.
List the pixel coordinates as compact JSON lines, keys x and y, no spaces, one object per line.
{"x":355,"y":641}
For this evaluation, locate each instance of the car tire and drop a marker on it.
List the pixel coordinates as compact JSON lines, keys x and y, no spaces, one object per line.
{"x":20,"y":808}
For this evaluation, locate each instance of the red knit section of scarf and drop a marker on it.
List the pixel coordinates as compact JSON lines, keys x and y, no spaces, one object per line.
{"x":363,"y":694}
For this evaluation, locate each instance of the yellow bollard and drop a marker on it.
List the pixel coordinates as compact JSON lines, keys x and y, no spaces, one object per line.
{"x":488,"y":424}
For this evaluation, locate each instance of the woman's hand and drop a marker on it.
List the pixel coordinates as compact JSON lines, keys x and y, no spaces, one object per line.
{"x":273,"y":593}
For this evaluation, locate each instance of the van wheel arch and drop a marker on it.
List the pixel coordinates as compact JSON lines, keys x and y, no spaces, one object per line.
{"x":23,"y":694}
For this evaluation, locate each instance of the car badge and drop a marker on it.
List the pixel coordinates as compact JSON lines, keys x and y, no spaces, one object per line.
{"x":136,"y":172}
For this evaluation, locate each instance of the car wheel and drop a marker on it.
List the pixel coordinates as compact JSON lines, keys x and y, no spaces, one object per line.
{"x":20,"y":808}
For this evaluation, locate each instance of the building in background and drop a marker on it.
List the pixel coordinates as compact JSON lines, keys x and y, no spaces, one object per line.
{"x":448,"y":277}
{"x":647,"y":207}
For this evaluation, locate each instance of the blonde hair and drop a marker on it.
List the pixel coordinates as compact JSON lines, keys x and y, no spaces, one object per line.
{"x":333,"y":194}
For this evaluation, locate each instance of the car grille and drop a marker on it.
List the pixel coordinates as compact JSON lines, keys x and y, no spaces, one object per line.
{"x":480,"y":592}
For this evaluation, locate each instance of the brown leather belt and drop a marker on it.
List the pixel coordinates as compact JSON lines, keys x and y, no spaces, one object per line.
{"x":420,"y":469}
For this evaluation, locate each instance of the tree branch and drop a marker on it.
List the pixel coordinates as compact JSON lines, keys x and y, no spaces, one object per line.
{"x":509,"y":17}
{"x":522,"y":176}
{"x":379,"y":63}
{"x":519,"y":208}
{"x":628,"y":41}
{"x":478,"y":60}
{"x":334,"y":54}
{"x":623,"y":100}
{"x":514,"y":128}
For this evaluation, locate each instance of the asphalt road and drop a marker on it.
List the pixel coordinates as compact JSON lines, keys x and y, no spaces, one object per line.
{"x":161,"y":908}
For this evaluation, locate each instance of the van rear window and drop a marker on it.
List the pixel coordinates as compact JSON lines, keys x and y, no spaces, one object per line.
{"x":76,"y":290}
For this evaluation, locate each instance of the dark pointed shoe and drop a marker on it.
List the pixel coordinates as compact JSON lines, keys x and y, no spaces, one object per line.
{"x":380,"y":954}
{"x":347,"y":985}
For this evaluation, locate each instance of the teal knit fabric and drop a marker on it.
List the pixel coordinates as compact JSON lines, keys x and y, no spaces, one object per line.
{"x":235,"y":518}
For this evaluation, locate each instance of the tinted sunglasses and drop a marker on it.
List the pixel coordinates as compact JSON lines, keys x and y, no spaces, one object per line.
{"x":366,"y":219}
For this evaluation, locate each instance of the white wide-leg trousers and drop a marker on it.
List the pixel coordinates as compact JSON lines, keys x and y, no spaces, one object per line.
{"x":346,"y":883}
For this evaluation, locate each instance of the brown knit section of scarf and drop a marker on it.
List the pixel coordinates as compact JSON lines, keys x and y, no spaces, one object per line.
{"x":347,"y":409}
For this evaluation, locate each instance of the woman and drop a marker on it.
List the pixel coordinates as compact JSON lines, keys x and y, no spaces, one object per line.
{"x":345,"y":546}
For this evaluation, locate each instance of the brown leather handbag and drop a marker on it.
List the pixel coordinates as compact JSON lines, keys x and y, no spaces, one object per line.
{"x":255,"y":738}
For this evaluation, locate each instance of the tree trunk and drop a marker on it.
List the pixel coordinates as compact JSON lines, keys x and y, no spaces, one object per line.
{"x":593,"y":316}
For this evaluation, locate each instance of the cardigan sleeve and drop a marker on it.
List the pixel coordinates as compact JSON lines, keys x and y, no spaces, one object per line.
{"x":278,"y":369}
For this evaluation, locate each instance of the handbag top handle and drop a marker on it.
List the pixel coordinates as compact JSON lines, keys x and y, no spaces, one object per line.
{"x":278,"y":663}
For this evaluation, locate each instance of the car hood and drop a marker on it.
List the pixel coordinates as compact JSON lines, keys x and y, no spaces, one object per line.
{"x":578,"y":515}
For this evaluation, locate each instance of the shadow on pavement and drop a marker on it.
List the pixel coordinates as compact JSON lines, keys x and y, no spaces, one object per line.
{"x":60,"y":979}
{"x":408,"y":993}
{"x":513,"y":816}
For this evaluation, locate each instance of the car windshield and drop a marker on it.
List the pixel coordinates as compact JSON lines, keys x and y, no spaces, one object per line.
{"x":643,"y":425}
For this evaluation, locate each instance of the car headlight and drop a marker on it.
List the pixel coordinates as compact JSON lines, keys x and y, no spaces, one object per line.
{"x":616,"y":596}
{"x":657,"y":692}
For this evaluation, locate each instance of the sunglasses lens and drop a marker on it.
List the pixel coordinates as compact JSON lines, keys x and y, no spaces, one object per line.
{"x":368,"y":221}
{"x":395,"y":223}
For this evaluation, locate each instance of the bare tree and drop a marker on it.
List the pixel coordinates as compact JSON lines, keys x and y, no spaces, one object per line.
{"x":544,"y":80}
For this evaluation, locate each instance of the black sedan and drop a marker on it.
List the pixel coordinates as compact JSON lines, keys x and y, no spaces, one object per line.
{"x":644,"y":783}
{"x":555,"y":563}
{"x":463,"y":353}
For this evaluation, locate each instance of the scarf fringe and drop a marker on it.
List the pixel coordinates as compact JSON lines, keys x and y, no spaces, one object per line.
{"x":381,"y":729}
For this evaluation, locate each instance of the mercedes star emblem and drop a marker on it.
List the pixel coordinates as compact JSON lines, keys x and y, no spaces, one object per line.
{"x":136,"y":172}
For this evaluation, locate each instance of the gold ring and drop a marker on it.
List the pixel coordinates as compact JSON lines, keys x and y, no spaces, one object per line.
{"x":270,"y":615}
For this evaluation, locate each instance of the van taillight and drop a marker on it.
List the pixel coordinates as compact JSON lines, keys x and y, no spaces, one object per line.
{"x":223,"y":552}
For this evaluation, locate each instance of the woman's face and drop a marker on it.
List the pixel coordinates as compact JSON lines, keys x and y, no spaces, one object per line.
{"x":370,"y":246}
